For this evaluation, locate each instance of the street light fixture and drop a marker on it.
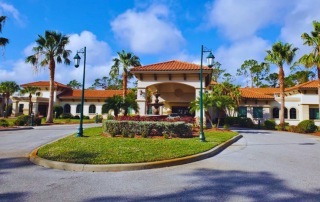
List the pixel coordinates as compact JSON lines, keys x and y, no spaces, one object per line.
{"x":210,"y":59}
{"x":76,"y":64}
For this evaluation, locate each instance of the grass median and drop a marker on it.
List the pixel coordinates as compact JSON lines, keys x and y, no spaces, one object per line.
{"x":95,"y":148}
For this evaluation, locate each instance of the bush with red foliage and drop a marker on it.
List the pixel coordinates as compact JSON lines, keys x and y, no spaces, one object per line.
{"x":186,"y":119}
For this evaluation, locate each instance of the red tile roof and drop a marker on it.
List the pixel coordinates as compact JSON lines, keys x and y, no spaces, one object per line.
{"x":44,"y":84}
{"x":89,"y":94}
{"x":258,"y":93}
{"x":172,"y":65}
{"x":304,"y":86}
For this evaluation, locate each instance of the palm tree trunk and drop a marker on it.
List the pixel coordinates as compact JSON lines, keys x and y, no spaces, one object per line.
{"x":318,"y":67}
{"x":50,"y":107}
{"x":30,"y":105}
{"x":7,"y":104}
{"x":281,"y":82}
{"x":125,"y":83}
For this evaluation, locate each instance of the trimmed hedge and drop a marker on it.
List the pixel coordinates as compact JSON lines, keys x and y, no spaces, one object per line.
{"x":270,"y":124}
{"x":22,"y":120}
{"x":4,"y":123}
{"x":147,"y":128}
{"x":307,"y":126}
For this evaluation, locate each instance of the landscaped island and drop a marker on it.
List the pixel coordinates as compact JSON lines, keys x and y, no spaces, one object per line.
{"x":97,"y":148}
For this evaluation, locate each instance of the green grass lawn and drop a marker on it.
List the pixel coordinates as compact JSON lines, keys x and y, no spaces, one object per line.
{"x":56,"y":121}
{"x":97,"y":149}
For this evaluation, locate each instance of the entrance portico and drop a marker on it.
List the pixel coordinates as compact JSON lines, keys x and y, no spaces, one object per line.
{"x":178,"y":84}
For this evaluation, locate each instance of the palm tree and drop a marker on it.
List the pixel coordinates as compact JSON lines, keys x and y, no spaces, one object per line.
{"x":313,"y":58}
{"x":125,"y":60}
{"x":3,"y":41}
{"x":280,"y":54}
{"x":8,"y":88}
{"x":207,"y":102}
{"x":51,"y":48}
{"x":31,"y":90}
{"x":113,"y":103}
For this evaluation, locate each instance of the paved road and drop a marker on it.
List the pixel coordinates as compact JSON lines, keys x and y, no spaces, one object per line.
{"x":262,"y":166}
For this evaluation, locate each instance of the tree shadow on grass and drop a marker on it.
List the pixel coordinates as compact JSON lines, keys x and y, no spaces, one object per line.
{"x":217,"y":185}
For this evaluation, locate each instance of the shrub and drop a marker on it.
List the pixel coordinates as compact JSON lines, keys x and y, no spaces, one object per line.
{"x":37,"y":121}
{"x":307,"y":126}
{"x":22,"y":120}
{"x":76,"y":117}
{"x":86,"y":117}
{"x":232,"y":120}
{"x":57,"y":110}
{"x":226,"y":126}
{"x":145,"y":129}
{"x":245,"y":122}
{"x":4,"y":123}
{"x":109,"y":117}
{"x":270,"y":124}
{"x":66,"y":115}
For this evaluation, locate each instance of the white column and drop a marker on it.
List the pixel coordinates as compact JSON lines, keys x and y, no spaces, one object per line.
{"x":142,"y":100}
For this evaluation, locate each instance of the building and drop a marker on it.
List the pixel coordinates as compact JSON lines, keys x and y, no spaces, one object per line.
{"x":68,"y":98}
{"x":171,"y":86}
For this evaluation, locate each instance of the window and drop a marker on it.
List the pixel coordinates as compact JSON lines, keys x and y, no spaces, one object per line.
{"x":78,"y":108}
{"x":257,"y":112}
{"x":293,"y":113}
{"x":21,"y":108}
{"x":275,"y":113}
{"x":313,"y":113}
{"x":285,"y":113}
{"x":104,"y":109}
{"x":92,"y":109}
{"x":242,"y":112}
{"x":66,"y":108}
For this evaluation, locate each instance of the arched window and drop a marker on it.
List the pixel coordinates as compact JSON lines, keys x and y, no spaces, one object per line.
{"x":104,"y":109}
{"x":78,"y":108}
{"x":92,"y":109}
{"x":293,"y":113}
{"x":285,"y":113}
{"x":66,"y":108}
{"x":275,"y":113}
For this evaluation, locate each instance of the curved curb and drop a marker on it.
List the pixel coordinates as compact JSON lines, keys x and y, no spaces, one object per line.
{"x":19,"y":128}
{"x":33,"y":157}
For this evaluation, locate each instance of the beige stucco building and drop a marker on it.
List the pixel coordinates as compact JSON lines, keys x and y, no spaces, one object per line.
{"x":177,"y":84}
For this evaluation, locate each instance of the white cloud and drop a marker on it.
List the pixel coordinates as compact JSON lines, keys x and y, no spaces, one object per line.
{"x":98,"y":63}
{"x":233,"y":56}
{"x":149,"y":31}
{"x":239,"y":19}
{"x":298,"y":21}
{"x":7,"y":9}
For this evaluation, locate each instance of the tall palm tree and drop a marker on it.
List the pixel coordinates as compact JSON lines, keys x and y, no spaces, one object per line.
{"x":31,"y":90}
{"x":3,"y":41}
{"x":278,"y":55}
{"x":49,"y":50}
{"x":8,"y":88}
{"x":313,"y":58}
{"x":126,"y":60}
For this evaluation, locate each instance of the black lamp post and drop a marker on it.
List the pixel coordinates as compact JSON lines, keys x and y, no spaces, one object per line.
{"x":210,"y":59}
{"x":76,"y":64}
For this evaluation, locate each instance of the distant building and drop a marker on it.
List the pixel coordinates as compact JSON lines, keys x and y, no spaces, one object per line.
{"x":177,"y":84}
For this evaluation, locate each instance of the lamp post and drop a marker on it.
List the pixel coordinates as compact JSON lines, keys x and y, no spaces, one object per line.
{"x":76,"y":64}
{"x":210,"y":59}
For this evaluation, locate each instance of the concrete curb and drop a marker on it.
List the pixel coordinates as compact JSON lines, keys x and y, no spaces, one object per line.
{"x":129,"y":167}
{"x":13,"y":129}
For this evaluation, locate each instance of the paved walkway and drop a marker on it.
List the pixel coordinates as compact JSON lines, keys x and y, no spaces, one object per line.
{"x":262,"y":166}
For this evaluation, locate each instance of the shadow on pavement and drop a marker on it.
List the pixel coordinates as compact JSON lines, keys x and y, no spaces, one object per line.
{"x":217,"y":185}
{"x":14,"y":196}
{"x":17,"y":162}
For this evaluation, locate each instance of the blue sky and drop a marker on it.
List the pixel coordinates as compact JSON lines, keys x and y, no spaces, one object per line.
{"x":156,"y":31}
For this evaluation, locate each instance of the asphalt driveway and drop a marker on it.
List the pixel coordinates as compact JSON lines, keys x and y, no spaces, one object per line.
{"x":262,"y":166}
